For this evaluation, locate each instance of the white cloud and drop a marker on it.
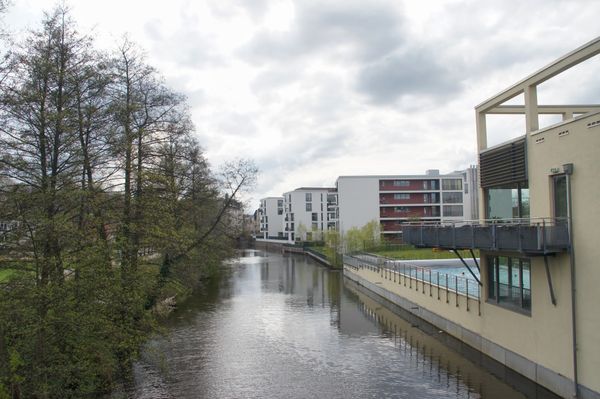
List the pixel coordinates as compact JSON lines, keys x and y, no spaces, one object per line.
{"x":313,"y":90}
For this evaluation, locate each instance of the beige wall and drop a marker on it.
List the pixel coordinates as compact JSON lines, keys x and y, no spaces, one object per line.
{"x":542,"y":338}
{"x":545,"y":337}
{"x":581,"y":147}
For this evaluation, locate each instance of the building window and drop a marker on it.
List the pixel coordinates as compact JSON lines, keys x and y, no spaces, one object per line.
{"x":400,"y":209}
{"x":507,"y":202}
{"x":453,"y":210}
{"x":315,"y":217}
{"x":401,"y":183}
{"x":308,"y":207}
{"x":452,"y":198}
{"x":280,"y":211}
{"x":559,"y":186}
{"x":509,"y":282}
{"x":401,"y":196}
{"x":315,"y":226}
{"x":452,"y":184}
{"x":308,"y":197}
{"x":280,"y":203}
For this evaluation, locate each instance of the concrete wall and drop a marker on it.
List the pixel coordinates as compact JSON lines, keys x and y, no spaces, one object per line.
{"x":358,"y":198}
{"x":548,"y":151}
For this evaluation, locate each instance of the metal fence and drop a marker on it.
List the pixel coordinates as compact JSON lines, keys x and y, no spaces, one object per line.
{"x":423,"y":279}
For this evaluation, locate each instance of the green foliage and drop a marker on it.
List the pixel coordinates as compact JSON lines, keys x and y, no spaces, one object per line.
{"x":302,"y":230}
{"x":360,"y":239}
{"x":113,"y":208}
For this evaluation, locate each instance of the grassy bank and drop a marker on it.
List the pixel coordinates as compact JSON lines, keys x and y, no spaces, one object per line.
{"x":6,"y":274}
{"x":400,"y":252}
{"x":411,"y":253}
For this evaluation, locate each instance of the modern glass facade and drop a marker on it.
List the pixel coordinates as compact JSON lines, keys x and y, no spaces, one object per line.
{"x":509,"y":281}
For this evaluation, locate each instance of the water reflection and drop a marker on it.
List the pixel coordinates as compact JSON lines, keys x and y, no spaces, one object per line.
{"x":282,"y":326}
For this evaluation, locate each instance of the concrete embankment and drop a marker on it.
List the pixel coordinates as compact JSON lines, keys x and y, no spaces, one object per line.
{"x":482,"y":326}
{"x":286,"y":247}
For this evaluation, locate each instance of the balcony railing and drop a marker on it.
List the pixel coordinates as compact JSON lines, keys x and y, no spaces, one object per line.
{"x":537,"y":236}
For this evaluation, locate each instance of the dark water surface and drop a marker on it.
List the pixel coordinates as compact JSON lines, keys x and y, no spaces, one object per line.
{"x":280,"y":326}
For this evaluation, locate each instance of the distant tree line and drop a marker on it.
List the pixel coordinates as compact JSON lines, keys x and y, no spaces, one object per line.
{"x":111,"y":204}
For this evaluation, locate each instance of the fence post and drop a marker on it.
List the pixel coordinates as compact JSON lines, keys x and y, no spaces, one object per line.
{"x":479,"y":299}
{"x":438,"y":284}
{"x":409,"y":277}
{"x":467,"y":293}
{"x":404,"y":273}
{"x":447,"y":300}
{"x":430,"y":294}
{"x":456,"y":289}
{"x":423,"y":280}
{"x":395,"y":271}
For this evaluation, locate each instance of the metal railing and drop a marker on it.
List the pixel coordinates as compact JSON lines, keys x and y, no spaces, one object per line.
{"x":535,"y":235}
{"x":423,"y":279}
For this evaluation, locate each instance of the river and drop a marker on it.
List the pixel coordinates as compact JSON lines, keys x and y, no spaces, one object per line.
{"x":282,"y":326}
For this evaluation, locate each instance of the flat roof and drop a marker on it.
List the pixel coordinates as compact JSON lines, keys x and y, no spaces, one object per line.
{"x":458,"y":173}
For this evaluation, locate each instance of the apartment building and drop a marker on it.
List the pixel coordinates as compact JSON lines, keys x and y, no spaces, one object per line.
{"x":397,"y":199}
{"x":537,"y":238}
{"x":309,"y":211}
{"x":270,"y":216}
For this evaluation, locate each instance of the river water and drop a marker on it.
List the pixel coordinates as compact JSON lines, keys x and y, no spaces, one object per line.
{"x":282,"y":326}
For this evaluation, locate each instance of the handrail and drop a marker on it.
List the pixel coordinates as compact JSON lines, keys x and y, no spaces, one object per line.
{"x":533,"y":221}
{"x":380,"y":264}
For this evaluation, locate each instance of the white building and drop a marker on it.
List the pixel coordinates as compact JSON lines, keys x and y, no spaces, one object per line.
{"x":394,"y":200}
{"x":309,"y":211}
{"x":270,"y":215}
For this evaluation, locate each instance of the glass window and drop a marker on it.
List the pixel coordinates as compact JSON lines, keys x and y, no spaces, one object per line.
{"x":280,"y":211}
{"x":492,"y":277}
{"x":453,"y":210}
{"x":308,"y":197}
{"x":452,"y":198}
{"x":452,"y":184}
{"x":315,"y":217}
{"x":401,"y":196}
{"x":509,"y":282}
{"x":401,"y":183}
{"x":315,"y":226}
{"x":507,"y":202}
{"x":308,"y":207}
{"x":560,"y":196}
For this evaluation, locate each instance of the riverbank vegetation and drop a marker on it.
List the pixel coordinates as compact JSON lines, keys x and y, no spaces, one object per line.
{"x":109,"y":208}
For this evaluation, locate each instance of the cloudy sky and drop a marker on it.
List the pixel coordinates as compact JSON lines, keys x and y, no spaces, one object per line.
{"x":312,"y":90}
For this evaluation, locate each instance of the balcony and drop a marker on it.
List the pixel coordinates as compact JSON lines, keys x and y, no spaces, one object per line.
{"x":409,"y":212}
{"x":541,"y":236}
